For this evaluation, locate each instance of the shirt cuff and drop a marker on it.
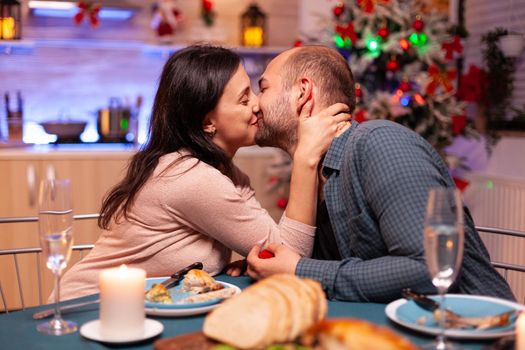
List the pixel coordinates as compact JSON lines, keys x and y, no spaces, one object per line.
{"x":323,"y":271}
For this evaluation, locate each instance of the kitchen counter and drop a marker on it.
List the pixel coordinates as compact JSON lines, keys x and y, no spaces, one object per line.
{"x":100,"y":150}
{"x":68,"y":151}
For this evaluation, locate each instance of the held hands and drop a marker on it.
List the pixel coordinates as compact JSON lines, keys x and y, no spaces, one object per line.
{"x":284,"y":261}
{"x":315,"y":133}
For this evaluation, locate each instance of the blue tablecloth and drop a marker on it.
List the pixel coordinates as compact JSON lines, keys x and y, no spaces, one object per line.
{"x":18,"y":329}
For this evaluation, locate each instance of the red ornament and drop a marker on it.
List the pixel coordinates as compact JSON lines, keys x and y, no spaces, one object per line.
{"x":459,"y":122}
{"x":347,"y":31}
{"x":266,"y":254}
{"x":404,"y":86}
{"x":383,"y":33}
{"x":439,"y":77}
{"x":418,"y":25}
{"x":360,"y":116}
{"x":368,"y":6}
{"x":358,"y":91}
{"x":297,"y":43}
{"x":282,"y":202}
{"x":404,"y":44}
{"x":338,"y":9}
{"x":90,"y":10}
{"x":207,"y":5}
{"x":392,"y":65}
{"x":461,"y":184}
{"x":451,"y":47}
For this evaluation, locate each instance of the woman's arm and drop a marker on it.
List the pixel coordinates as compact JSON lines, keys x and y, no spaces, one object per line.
{"x":315,"y":134}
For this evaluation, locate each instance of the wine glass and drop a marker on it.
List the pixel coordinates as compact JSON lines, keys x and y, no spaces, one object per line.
{"x":55,"y":224}
{"x":443,"y":241}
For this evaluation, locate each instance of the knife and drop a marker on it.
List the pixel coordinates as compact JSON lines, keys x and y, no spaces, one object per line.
{"x":175,"y":278}
{"x":421,"y":300}
{"x":169,"y":283}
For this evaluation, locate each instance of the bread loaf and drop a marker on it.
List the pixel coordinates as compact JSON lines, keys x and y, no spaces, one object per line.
{"x":274,"y":310}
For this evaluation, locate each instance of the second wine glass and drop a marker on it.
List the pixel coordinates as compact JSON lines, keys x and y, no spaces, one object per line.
{"x":55,"y":224}
{"x":443,"y":241}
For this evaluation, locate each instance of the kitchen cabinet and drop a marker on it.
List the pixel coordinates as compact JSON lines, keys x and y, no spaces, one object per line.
{"x":92,"y":174}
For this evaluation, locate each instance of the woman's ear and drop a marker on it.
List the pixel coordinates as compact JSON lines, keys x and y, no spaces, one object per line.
{"x":208,"y":127}
{"x":305,"y":92}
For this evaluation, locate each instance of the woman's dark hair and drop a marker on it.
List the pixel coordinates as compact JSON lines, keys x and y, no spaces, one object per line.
{"x":191,"y":84}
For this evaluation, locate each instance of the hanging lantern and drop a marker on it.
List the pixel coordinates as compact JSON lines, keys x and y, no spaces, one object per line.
{"x":10,"y":20}
{"x":253,"y":23}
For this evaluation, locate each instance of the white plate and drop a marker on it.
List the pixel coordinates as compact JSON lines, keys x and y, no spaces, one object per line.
{"x":406,"y":313}
{"x":91,"y":330}
{"x":187,"y":311}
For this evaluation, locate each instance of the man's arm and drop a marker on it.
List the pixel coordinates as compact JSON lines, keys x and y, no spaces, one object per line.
{"x":395,"y":172}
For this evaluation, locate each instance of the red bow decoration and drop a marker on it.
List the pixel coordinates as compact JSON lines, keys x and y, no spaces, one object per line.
{"x":439,"y":78}
{"x":90,"y":10}
{"x":347,"y":31}
{"x":451,"y":47}
{"x":368,"y":6}
{"x":472,"y":85}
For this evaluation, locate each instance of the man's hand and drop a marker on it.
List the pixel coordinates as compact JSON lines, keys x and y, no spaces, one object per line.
{"x":284,"y":261}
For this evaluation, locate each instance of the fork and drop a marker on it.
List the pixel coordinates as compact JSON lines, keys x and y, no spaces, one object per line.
{"x":455,"y":320}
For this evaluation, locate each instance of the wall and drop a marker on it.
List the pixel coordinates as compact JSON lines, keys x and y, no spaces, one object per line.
{"x":69,"y":71}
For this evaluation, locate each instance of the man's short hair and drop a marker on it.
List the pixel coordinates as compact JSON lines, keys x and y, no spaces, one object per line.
{"x":327,"y":68}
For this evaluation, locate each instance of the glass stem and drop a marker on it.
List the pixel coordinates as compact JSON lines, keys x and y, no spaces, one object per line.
{"x":57,"y":295}
{"x":441,"y":344}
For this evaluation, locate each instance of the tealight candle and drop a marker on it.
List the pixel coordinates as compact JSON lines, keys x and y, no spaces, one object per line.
{"x":122,"y":302}
{"x":520,"y":332}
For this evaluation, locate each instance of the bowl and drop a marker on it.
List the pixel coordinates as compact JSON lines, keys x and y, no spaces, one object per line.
{"x":64,"y":129}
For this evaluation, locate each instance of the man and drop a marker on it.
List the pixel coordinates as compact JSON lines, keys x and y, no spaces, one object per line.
{"x":375,"y":180}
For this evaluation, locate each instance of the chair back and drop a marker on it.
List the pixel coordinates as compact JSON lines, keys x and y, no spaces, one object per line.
{"x":23,"y":282}
{"x":513,"y":271}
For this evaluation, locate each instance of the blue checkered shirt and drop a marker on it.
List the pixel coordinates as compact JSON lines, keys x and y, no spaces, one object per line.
{"x":378,"y":177}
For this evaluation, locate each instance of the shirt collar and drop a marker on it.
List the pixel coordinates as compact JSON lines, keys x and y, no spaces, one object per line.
{"x":334,"y":156}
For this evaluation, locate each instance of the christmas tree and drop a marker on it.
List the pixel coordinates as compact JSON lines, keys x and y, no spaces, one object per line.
{"x":403,"y":59}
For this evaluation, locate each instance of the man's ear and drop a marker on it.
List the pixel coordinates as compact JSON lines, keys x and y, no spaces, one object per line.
{"x":305,"y":92}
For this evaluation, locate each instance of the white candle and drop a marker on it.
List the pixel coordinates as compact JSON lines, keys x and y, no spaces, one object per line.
{"x":520,"y":332}
{"x":122,"y":302}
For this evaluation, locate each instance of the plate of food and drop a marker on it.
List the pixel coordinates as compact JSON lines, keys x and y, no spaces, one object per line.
{"x":197,"y":293}
{"x":470,"y":307}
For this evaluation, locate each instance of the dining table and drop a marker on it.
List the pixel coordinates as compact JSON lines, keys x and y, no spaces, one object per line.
{"x":18,"y":328}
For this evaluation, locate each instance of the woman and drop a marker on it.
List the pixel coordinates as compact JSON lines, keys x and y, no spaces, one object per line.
{"x":182,"y":199}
